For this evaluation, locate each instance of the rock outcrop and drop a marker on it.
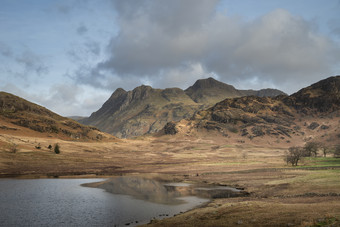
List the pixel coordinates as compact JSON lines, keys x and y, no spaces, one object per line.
{"x":279,"y":117}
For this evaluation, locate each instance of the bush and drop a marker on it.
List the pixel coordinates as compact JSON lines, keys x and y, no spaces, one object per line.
{"x":38,"y":146}
{"x":57,"y":149}
{"x":233,"y":129}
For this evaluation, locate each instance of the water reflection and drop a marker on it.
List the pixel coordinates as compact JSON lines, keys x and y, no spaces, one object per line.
{"x":144,"y":189}
{"x":164,"y":193}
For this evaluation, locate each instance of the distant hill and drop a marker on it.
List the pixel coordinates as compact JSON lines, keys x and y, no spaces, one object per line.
{"x":146,"y":110}
{"x":212,"y":91}
{"x":18,"y":115}
{"x":311,"y":113}
{"x":323,"y":96}
{"x":76,"y":118}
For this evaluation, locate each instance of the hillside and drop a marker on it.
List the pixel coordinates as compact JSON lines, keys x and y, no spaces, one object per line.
{"x":312,"y":113}
{"x":142,"y":110}
{"x":19,"y":116}
{"x":146,"y":110}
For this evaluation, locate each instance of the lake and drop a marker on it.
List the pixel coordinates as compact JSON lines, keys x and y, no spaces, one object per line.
{"x":64,"y":202}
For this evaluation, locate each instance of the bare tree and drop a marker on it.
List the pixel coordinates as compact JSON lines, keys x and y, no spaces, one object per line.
{"x":337,"y":152}
{"x":294,"y":155}
{"x":324,"y":149}
{"x":311,"y":149}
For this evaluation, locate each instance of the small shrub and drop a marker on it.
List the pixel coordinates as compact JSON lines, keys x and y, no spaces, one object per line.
{"x":257,"y":131}
{"x":13,"y":148}
{"x":50,"y":147}
{"x":57,"y":148}
{"x":233,"y":129}
{"x":313,"y":125}
{"x":38,"y":146}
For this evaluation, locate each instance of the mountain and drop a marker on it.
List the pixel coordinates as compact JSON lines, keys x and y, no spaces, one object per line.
{"x":146,"y":110}
{"x":323,"y":96}
{"x":20,"y":116}
{"x":212,"y":91}
{"x":142,"y":110}
{"x":268,"y":92}
{"x":313,"y":112}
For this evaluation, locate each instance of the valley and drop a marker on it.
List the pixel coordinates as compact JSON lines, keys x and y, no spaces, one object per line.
{"x":240,"y":142}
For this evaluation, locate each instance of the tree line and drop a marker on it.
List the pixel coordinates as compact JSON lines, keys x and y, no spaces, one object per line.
{"x":310,"y":149}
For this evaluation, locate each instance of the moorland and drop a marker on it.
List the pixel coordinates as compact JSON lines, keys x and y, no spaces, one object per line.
{"x":242,"y":142}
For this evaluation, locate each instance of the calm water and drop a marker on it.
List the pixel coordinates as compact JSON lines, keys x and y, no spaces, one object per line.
{"x":63,"y":202}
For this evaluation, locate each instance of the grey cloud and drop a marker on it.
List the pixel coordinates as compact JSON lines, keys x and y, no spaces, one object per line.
{"x":158,"y":38}
{"x":334,"y":26}
{"x":85,"y":51}
{"x":169,"y":16}
{"x":93,"y":47}
{"x":65,"y":9}
{"x":32,"y":63}
{"x":82,"y":29}
{"x":5,"y":50}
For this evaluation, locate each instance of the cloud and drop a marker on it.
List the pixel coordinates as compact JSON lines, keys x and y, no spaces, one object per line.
{"x":87,"y":51}
{"x":31,"y":63}
{"x":5,"y":50}
{"x":64,"y":9}
{"x":158,"y":40}
{"x":72,"y":99}
{"x":93,"y":47}
{"x":23,"y":64}
{"x":182,"y":76}
{"x":64,"y":99}
{"x":82,"y":29}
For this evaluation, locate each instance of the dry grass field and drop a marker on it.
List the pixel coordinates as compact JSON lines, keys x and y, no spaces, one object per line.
{"x":279,"y":195}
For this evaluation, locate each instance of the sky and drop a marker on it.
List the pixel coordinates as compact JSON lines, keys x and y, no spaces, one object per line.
{"x":71,"y":55}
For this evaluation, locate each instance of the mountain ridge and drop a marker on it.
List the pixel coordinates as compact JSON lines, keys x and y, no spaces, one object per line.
{"x":312,"y":113}
{"x":146,"y":110}
{"x":18,"y":114}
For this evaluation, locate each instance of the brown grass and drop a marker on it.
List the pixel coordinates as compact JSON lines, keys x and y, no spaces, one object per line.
{"x":280,"y":195}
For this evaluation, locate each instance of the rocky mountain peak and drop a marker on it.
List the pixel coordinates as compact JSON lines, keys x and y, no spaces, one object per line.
{"x":211,"y":91}
{"x":323,"y":96}
{"x":141,"y":92}
{"x":118,"y":92}
{"x":209,"y":83}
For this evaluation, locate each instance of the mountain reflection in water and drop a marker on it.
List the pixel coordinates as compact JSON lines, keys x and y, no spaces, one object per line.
{"x":164,"y":193}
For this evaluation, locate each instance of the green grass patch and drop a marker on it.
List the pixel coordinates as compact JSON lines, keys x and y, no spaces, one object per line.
{"x":327,"y":222}
{"x":227,"y":145}
{"x":317,"y":178}
{"x":320,"y":162}
{"x":230,"y":163}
